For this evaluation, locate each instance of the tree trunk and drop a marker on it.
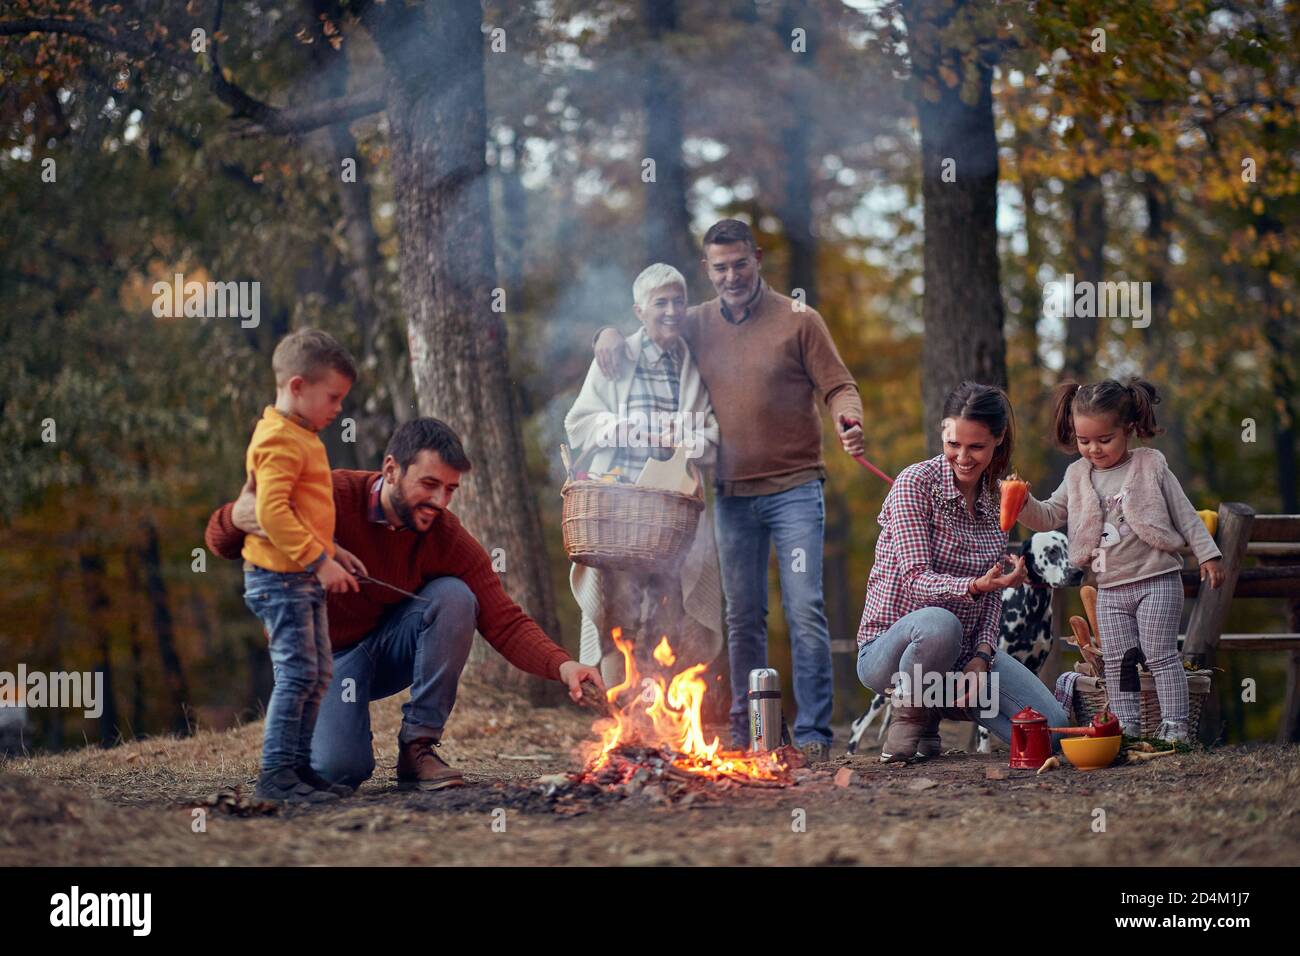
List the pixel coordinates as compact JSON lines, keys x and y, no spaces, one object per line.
{"x":135,"y":586}
{"x":514,"y":203}
{"x":1156,"y":197}
{"x":95,"y":593}
{"x":164,"y":631}
{"x":62,"y":635}
{"x":1087,"y":250}
{"x":1031,"y":298}
{"x":1280,"y":336}
{"x":962,"y":308}
{"x":437,"y":118}
{"x":667,"y":223}
{"x":796,"y":209}
{"x":363,"y":268}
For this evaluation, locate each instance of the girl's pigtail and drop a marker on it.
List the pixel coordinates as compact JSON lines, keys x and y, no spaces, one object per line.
{"x":1063,"y":420}
{"x":1145,"y":399}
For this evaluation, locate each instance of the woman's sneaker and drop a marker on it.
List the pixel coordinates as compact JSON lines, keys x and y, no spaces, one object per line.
{"x":310,"y":776}
{"x":1173,"y":731}
{"x":285,"y":786}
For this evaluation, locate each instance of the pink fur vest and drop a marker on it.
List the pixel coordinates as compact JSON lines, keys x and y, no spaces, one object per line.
{"x":1144,"y":506}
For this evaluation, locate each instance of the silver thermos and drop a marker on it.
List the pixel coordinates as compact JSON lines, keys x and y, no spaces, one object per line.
{"x":765,"y":722}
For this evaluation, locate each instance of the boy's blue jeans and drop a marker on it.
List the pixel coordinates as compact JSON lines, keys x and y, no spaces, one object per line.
{"x":291,"y":606}
{"x":746,"y":529}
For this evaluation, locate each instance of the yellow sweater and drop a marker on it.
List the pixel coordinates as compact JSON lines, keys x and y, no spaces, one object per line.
{"x":295,"y":495}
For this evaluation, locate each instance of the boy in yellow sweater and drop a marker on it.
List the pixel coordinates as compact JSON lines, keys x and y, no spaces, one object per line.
{"x":287,"y":573}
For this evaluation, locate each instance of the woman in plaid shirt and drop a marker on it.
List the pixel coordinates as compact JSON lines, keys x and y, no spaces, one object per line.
{"x":934,"y":597}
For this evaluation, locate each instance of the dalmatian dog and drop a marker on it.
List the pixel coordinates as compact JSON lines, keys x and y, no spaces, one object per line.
{"x":1026,"y":630}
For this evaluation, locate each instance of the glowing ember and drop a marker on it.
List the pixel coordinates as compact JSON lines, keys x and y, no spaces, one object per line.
{"x":668,"y":717}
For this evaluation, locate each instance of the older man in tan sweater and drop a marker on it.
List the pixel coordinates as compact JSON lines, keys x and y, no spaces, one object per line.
{"x":767,"y":361}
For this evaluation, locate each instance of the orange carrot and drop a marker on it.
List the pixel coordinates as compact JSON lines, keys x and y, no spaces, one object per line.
{"x":1014,"y":493}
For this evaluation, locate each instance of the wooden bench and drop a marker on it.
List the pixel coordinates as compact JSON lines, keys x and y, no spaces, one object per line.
{"x":1273,"y":543}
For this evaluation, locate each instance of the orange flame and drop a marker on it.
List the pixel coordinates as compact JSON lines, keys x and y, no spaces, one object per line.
{"x":669,"y":717}
{"x":664,"y":653}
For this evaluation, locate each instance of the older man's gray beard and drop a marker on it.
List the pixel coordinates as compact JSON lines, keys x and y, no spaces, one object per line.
{"x":406,"y":514}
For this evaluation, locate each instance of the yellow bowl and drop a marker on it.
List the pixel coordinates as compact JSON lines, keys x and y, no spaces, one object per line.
{"x":1091,"y":753}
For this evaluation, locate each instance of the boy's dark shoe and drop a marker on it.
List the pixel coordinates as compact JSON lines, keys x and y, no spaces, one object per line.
{"x":308,"y":775}
{"x":420,"y":768}
{"x":285,"y":786}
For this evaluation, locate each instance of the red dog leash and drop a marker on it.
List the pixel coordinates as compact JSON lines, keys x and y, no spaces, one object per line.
{"x":845,"y":425}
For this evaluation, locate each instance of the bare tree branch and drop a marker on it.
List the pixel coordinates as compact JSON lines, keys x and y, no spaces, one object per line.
{"x":303,"y":119}
{"x":264,"y":119}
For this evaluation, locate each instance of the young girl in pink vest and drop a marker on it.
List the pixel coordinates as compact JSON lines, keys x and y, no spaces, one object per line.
{"x":1127,"y":516}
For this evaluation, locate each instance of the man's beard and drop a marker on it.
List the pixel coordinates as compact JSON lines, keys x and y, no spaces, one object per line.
{"x":405,"y":513}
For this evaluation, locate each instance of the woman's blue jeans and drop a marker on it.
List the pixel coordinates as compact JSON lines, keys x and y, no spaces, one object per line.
{"x":930,"y":638}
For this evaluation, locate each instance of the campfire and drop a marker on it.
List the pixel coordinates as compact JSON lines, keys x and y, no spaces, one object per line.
{"x":654,"y":732}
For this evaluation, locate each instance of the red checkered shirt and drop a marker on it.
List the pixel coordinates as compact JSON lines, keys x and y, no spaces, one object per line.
{"x":929,"y":550}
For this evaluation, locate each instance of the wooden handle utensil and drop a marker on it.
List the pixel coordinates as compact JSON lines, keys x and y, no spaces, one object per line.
{"x":1079,"y":627}
{"x":1089,"y":595}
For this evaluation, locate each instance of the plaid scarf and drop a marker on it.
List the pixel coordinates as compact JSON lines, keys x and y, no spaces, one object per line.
{"x":655,"y":393}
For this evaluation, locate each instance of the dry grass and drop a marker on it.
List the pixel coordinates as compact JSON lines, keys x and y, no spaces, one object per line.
{"x":160,"y":771}
{"x":133,"y":805}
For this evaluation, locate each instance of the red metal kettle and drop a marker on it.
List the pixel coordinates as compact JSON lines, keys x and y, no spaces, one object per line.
{"x":1031,"y":741}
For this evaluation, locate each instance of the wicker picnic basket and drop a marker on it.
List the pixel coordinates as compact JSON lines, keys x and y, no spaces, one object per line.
{"x":627,"y":527}
{"x":1090,"y":698}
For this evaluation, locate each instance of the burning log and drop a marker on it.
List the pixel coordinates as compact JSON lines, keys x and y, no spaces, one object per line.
{"x":652,"y":745}
{"x":592,"y":698}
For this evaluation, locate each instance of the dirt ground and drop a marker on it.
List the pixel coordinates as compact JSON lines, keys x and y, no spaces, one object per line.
{"x":133,"y":805}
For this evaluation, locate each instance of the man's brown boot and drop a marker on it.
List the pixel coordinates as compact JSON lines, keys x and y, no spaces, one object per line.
{"x":420,"y":768}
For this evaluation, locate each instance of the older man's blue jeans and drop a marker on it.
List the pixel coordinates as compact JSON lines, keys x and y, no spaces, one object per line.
{"x":746,"y":529}
{"x":422,"y":645}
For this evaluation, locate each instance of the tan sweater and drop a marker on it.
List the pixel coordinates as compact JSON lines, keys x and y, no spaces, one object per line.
{"x":765,"y":376}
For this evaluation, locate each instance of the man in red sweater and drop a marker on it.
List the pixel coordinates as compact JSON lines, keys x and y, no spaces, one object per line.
{"x":396,"y":524}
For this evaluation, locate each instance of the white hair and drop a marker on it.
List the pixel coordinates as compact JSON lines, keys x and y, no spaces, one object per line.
{"x":655,"y":277}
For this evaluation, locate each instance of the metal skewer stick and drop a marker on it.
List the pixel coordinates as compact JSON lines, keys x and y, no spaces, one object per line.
{"x":392,"y":587}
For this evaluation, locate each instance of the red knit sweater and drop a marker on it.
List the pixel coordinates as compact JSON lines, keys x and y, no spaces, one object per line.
{"x":408,"y":560}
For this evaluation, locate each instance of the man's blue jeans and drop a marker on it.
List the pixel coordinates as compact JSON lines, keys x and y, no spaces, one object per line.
{"x":930,"y":638}
{"x":747,"y":527}
{"x":418,"y":645}
{"x":291,"y":606}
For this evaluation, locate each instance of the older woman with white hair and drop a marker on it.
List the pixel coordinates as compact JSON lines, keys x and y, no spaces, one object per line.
{"x":655,"y":404}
